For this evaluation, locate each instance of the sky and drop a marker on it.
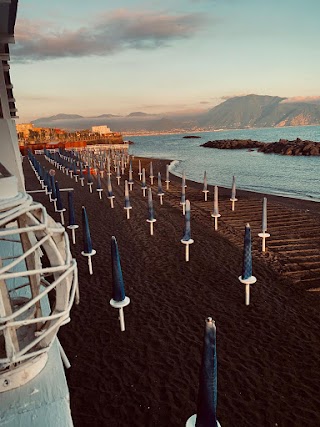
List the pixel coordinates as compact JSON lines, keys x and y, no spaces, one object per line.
{"x":101,"y":56}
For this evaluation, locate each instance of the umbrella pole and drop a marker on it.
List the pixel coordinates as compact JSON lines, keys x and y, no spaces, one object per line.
{"x":82,"y":183}
{"x":161,"y":201}
{"x":61,"y":215}
{"x":263,"y":236}
{"x":151,"y":228}
{"x":93,"y":252}
{"x":151,"y":179}
{"x":187,"y":243}
{"x":167,"y":182}
{"x":120,"y":305}
{"x":187,"y":252}
{"x":144,"y":192}
{"x":90,"y":186}
{"x":73,"y":231}
{"x":249,"y":281}
{"x":233,"y":201}
{"x":121,"y":318}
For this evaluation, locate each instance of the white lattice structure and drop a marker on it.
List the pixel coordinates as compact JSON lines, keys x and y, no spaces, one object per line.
{"x":26,"y":332}
{"x":38,"y":276}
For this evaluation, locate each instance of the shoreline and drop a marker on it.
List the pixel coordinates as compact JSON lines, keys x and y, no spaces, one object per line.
{"x":213,"y":130}
{"x":298,"y":203}
{"x":148,"y":375}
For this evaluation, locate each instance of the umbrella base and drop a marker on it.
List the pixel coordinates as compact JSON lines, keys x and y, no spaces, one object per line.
{"x":249,"y":281}
{"x":120,"y":304}
{"x":191,"y":422}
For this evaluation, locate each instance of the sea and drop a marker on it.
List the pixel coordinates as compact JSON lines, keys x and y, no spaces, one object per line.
{"x":288,"y":176}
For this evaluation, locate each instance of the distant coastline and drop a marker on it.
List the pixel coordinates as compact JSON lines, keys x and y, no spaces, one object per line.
{"x":187,"y":132}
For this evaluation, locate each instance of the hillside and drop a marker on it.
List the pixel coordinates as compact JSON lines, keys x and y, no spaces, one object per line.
{"x":234,"y":113}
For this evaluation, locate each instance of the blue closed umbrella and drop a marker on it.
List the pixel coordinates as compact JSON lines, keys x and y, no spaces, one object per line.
{"x":118,"y":291}
{"x":59,"y":200}
{"x":247,"y":257}
{"x":208,"y":390}
{"x":187,"y":229}
{"x":87,"y":244}
{"x":72,"y":217}
{"x":89,"y":177}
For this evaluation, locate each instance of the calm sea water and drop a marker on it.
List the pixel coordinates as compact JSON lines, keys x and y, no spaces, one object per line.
{"x":297,"y":177}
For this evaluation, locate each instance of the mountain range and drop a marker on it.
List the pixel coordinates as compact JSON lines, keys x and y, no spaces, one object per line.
{"x":234,"y":113}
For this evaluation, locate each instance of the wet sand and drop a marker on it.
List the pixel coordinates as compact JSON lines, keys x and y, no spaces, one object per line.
{"x":268,"y":352}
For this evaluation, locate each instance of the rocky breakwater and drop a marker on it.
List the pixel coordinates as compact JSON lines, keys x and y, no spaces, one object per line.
{"x":231,"y":144}
{"x":297,"y":147}
{"x":284,"y":147}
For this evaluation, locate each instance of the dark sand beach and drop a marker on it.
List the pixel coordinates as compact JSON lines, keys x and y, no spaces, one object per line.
{"x":268,"y":352}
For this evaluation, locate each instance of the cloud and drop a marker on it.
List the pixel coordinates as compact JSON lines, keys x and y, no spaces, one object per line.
{"x":307,"y":99}
{"x":113,"y":32}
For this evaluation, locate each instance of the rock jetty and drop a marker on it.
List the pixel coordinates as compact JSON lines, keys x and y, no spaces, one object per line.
{"x":232,"y":144}
{"x":284,"y":147}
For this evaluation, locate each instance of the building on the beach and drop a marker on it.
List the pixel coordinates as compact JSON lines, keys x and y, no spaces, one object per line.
{"x":101,"y":130}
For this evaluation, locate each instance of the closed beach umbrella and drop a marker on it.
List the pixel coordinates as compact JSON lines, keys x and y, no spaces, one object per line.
{"x":208,"y":389}
{"x":60,"y":207}
{"x":151,"y":219}
{"x":187,"y":229}
{"x":160,"y":191}
{"x":126,"y":195}
{"x":139,"y":173}
{"x":119,"y":299}
{"x":247,"y":257}
{"x":183,"y":198}
{"x":72,"y":217}
{"x":186,"y":240}
{"x":127,"y":205}
{"x":151,"y":173}
{"x":215,"y":201}
{"x":59,"y":200}
{"x":53,"y":188}
{"x":72,"y":220}
{"x":233,"y":190}
{"x":130,"y":176}
{"x":99,"y":188}
{"x":167,"y":176}
{"x":264,"y":215}
{"x":87,"y":243}
{"x":246,"y":277}
{"x":118,"y":175}
{"x":98,"y":182}
{"x":184,"y":179}
{"x":89,"y":177}
{"x":215,"y":213}
{"x":118,"y":291}
{"x":205,"y":186}
{"x":233,"y":193}
{"x":150,"y":205}
{"x":110,"y":192}
{"x":143,"y":182}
